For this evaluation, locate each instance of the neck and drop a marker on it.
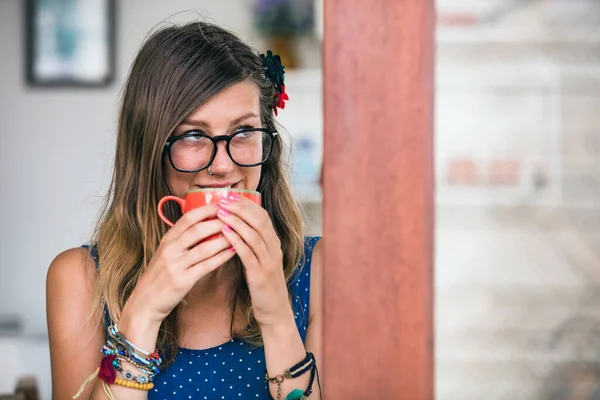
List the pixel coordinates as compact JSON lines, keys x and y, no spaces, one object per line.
{"x":206,"y":317}
{"x":216,"y":286}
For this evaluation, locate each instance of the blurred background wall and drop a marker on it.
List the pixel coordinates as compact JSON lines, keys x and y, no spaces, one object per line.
{"x":517,"y":146}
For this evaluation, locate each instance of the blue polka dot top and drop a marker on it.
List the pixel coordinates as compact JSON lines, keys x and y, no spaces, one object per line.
{"x":232,"y":370}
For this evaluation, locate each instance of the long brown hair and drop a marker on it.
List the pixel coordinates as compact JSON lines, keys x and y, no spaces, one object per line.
{"x":177,"y":69}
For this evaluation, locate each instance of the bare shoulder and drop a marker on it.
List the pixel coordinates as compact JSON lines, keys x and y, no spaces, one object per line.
{"x":69,"y":289}
{"x":73,"y":264}
{"x":75,"y":330}
{"x":71,"y":278}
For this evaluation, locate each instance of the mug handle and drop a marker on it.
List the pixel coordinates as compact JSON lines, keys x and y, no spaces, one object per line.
{"x":162,"y":202}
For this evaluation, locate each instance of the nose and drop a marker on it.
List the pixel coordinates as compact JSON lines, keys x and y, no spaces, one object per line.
{"x":222,"y":163}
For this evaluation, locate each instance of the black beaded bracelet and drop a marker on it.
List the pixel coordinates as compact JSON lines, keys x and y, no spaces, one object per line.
{"x":307,"y":364}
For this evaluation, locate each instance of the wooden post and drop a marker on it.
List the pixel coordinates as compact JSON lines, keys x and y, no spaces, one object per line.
{"x":378,"y":206}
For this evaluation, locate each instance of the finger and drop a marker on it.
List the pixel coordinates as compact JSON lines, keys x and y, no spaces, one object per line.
{"x":250,"y":236}
{"x":199,"y":270}
{"x":244,"y":251}
{"x":204,"y":251}
{"x":253,"y":214}
{"x":191,"y":218}
{"x":198,"y":232}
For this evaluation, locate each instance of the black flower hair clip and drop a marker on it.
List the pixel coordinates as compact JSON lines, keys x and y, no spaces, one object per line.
{"x":275,"y":73}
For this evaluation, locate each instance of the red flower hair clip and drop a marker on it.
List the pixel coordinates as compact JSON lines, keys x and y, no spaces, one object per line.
{"x":280,"y":99}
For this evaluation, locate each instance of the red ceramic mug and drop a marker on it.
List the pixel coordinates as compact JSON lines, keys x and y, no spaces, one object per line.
{"x":201,"y":197}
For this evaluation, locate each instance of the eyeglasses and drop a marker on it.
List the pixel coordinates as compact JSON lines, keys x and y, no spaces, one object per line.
{"x":194,"y":151}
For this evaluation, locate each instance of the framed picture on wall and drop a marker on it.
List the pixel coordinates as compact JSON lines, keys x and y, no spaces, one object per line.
{"x":70,"y":43}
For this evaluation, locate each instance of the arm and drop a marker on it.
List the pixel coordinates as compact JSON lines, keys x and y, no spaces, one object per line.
{"x":283,"y":349}
{"x":250,"y":231}
{"x":283,"y":345}
{"x":76,"y":341}
{"x":75,"y":338}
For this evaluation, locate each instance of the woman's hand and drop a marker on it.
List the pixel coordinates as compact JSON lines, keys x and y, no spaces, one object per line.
{"x":179,"y":262}
{"x":250,"y":231}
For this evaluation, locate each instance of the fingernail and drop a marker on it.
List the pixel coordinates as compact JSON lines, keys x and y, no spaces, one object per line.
{"x":234,"y":197}
{"x":225,"y":201}
{"x":223,"y":212}
{"x":232,"y":249}
{"x":227,"y":228}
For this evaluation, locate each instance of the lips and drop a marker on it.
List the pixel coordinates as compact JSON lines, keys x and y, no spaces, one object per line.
{"x":219,"y":185}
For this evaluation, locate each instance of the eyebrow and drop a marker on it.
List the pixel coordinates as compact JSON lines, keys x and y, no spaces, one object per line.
{"x":204,"y":124}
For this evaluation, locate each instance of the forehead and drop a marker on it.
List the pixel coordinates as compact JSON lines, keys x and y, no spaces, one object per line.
{"x":239,"y":99}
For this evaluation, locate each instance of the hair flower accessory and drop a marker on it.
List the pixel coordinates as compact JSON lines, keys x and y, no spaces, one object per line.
{"x":275,"y":73}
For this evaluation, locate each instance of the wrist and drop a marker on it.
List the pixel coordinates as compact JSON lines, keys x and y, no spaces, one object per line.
{"x":138,"y":327}
{"x":283,"y":325}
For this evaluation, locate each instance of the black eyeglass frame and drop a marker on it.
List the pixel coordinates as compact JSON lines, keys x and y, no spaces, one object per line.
{"x":215,"y":140}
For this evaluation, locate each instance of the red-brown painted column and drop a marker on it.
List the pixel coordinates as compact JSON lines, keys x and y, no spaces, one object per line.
{"x":378,"y":204}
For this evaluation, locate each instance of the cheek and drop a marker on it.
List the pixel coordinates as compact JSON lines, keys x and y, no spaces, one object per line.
{"x":253,"y":177}
{"x":178,"y":182}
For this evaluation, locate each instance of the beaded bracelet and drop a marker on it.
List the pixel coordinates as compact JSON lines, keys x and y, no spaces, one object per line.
{"x":307,"y":364}
{"x":136,"y":378}
{"x":134,"y":385}
{"x":117,"y":349}
{"x":119,"y":358}
{"x":140,"y":368}
{"x":152,"y":357}
{"x":119,"y":335}
{"x":148,"y":359}
{"x":145,"y":377}
{"x":119,"y":346}
{"x":112,"y":349}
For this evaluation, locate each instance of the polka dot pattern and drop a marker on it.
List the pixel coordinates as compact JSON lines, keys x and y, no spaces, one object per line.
{"x":234,"y":369}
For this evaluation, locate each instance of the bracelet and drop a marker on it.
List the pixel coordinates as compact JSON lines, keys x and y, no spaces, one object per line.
{"x":118,"y":357}
{"x":117,"y":333}
{"x":117,"y":349}
{"x":111,"y":349}
{"x":146,"y":358}
{"x":134,"y":385}
{"x":124,"y":350}
{"x":143,"y":370}
{"x":141,"y":379}
{"x":307,"y":364}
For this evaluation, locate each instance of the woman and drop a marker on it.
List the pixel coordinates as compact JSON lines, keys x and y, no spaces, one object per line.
{"x":225,"y":314}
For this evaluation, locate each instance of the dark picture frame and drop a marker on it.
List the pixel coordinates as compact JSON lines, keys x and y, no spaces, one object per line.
{"x":70,"y":43}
